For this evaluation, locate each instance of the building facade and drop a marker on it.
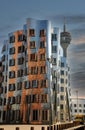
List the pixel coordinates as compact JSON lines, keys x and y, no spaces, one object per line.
{"x":35,"y":76}
{"x":29,"y":85}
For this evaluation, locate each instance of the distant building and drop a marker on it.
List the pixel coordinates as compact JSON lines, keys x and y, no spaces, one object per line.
{"x":78,"y":106}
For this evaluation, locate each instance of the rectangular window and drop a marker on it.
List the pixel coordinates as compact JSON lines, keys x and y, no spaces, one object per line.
{"x":44,"y":114}
{"x":35,"y":115}
{"x":17,"y":115}
{"x":12,"y":115}
{"x":62,"y":72}
{"x":18,"y":99}
{"x":42,"y":44}
{"x":34,"y":83}
{"x":33,"y":57}
{"x":1,"y":89}
{"x":27,"y":84}
{"x":42,"y":69}
{"x":32,"y":44}
{"x":20,"y":61}
{"x":17,"y":128}
{"x":12,"y":50}
{"x":61,"y":106}
{"x":20,"y":73}
{"x":11,"y":62}
{"x":19,"y":85}
{"x":42,"y":33}
{"x":0,"y":101}
{"x":43,"y":83}
{"x":28,"y":99}
{"x":3,"y":58}
{"x":32,"y":128}
{"x":21,"y":38}
{"x":54,"y":37}
{"x":44,"y":98}
{"x":34,"y":70}
{"x":11,"y":100}
{"x":12,"y":74}
{"x":31,"y":32}
{"x":11,"y":39}
{"x":62,"y":97}
{"x":21,"y":49}
{"x":62,"y":64}
{"x":11,"y":87}
{"x":42,"y":56}
{"x":62,"y":89}
{"x":62,"y":80}
{"x":26,"y":71}
{"x":54,"y":49}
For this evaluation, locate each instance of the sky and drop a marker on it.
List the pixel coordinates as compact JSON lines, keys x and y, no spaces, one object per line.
{"x":13,"y":15}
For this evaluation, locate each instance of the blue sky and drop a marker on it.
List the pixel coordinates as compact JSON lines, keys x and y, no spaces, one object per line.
{"x":13,"y":14}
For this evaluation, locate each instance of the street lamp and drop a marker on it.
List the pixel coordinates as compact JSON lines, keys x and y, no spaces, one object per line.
{"x":77,"y":101}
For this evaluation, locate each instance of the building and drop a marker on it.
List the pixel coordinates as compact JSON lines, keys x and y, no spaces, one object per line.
{"x":63,"y":81}
{"x":77,"y":107}
{"x":35,"y":76}
{"x":29,"y":85}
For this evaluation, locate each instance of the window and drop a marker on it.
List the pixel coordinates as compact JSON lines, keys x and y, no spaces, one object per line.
{"x":12,"y":74}
{"x":80,"y":105}
{"x":32,"y":44}
{"x":84,"y":105}
{"x":17,"y":128}
{"x":62,"y":80}
{"x":62,"y":72}
{"x":11,"y":62}
{"x":42,"y":33}
{"x":1,"y":90}
{"x":0,"y":101}
{"x":26,"y":71}
{"x":34,"y":98}
{"x":75,"y":110}
{"x":18,"y":99}
{"x":74,"y":105}
{"x":32,"y":32}
{"x":54,"y":49}
{"x":62,"y":64}
{"x":44,"y":115}
{"x":11,"y":100}
{"x":62,"y":89}
{"x":32,"y":128}
{"x":35,"y":115}
{"x":11,"y":87}
{"x":43,"y":128}
{"x":21,"y":38}
{"x":21,"y":49}
{"x":33,"y":57}
{"x":80,"y":110}
{"x":12,"y":112}
{"x":5,"y":89}
{"x":3,"y":58}
{"x":12,"y":50}
{"x":54,"y":61}
{"x":83,"y":111}
{"x":20,"y":73}
{"x":34,"y":70}
{"x":4,"y":101}
{"x":34,"y":83}
{"x":43,"y":83}
{"x":27,"y":84}
{"x":17,"y":116}
{"x":28,"y":99}
{"x":42,"y":56}
{"x":61,"y":106}
{"x":61,"y":116}
{"x":44,"y":98}
{"x":11,"y":39}
{"x":62,"y":97}
{"x":42,"y":44}
{"x":54,"y":37}
{"x":42,"y":69}
{"x":19,"y":85}
{"x":20,"y":61}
